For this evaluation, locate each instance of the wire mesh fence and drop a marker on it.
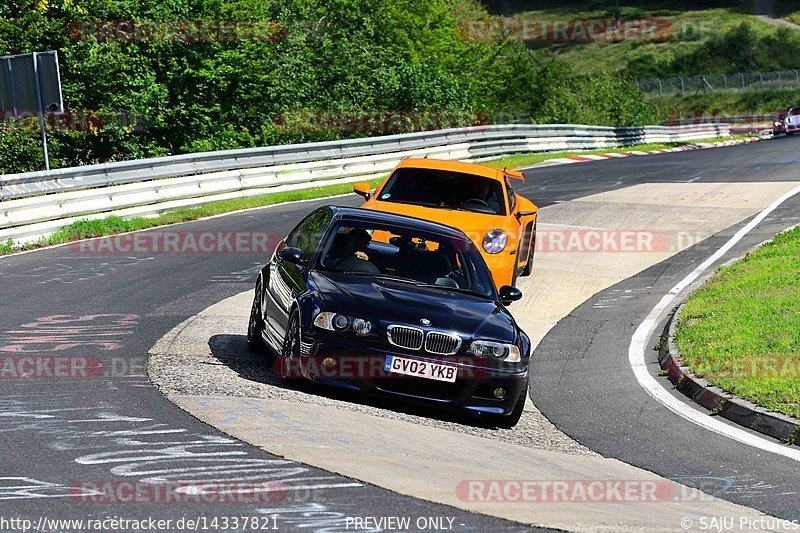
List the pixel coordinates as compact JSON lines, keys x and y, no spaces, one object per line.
{"x":691,"y":85}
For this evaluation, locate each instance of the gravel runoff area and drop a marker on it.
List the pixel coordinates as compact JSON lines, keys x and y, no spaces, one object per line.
{"x":207,"y":355}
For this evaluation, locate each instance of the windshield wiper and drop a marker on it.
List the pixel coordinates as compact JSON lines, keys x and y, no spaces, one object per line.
{"x":457,"y":289}
{"x":411,"y":202}
{"x":415,"y":282}
{"x":382,"y":276}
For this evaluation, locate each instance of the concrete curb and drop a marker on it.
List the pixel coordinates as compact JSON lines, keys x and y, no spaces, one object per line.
{"x":617,"y":155}
{"x":718,"y":401}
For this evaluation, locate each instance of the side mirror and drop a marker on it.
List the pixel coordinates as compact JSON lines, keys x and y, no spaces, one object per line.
{"x":521,"y":214}
{"x":509,"y":294}
{"x":362,"y":188}
{"x":291,"y":255}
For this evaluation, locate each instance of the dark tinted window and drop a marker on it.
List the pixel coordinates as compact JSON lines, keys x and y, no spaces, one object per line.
{"x":512,"y":197}
{"x":308,"y":233}
{"x":445,"y":190}
{"x":404,"y":254}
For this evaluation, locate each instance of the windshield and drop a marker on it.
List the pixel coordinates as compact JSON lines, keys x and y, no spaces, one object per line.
{"x":444,"y":189}
{"x":406,"y":255}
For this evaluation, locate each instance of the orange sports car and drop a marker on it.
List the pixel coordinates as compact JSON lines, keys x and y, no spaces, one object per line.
{"x":476,"y":199}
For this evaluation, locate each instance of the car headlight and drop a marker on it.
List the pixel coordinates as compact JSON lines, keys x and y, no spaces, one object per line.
{"x":495,"y":241}
{"x":496,"y":350}
{"x":337,"y":322}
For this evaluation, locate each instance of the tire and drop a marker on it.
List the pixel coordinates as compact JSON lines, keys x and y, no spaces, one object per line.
{"x":255,"y":341}
{"x":511,"y":420}
{"x":290,"y":350}
{"x":529,"y":265}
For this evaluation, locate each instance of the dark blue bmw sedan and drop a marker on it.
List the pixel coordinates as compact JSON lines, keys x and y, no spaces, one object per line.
{"x":378,"y":302}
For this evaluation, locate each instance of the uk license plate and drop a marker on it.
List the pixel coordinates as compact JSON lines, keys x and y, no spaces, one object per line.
{"x":421,"y":369}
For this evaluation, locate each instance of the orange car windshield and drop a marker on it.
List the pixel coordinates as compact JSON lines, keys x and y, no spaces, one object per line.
{"x":444,"y":189}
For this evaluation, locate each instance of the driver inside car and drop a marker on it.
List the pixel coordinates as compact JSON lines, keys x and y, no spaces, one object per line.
{"x":482,"y":190}
{"x":355,"y":258}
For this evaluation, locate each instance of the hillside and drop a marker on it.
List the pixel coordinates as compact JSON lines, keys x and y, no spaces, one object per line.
{"x":674,"y":38}
{"x":144,"y":79}
{"x":176,"y":76}
{"x":684,"y":29}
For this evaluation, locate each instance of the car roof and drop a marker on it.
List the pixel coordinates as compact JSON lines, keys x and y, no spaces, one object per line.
{"x":360,"y":214}
{"x":454,"y":166}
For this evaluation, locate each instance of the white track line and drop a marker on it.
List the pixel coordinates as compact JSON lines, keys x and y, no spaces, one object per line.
{"x":637,"y":351}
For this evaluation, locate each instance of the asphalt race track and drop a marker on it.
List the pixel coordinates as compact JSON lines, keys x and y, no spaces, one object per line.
{"x":61,"y":435}
{"x":581,"y":375}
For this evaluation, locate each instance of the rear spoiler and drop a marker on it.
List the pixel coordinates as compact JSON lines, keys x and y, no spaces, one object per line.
{"x":514,"y":174}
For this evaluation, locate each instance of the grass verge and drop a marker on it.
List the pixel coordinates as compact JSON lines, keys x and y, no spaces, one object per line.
{"x":741,"y":331}
{"x":750,"y":102}
{"x":88,"y":228}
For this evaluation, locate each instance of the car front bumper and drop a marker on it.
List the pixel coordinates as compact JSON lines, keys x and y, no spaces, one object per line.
{"x":349,"y":364}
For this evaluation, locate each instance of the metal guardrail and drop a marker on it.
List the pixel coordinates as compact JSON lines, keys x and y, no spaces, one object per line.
{"x":33,"y":205}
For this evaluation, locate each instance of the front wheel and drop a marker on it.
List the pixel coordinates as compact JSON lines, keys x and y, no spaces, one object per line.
{"x":289,"y":360}
{"x":255,"y":326}
{"x":529,"y":265}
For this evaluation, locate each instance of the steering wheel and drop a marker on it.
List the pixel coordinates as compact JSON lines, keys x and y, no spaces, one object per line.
{"x":476,"y":201}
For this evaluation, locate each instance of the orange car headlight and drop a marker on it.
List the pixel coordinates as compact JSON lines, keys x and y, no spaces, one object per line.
{"x":495,"y":241}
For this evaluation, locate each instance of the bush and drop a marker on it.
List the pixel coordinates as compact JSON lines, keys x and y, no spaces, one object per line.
{"x":610,"y":99}
{"x":21,"y":150}
{"x":345,"y":55}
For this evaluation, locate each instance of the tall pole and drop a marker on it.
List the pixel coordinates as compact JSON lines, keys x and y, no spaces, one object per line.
{"x":14,"y":88}
{"x":41,"y":110}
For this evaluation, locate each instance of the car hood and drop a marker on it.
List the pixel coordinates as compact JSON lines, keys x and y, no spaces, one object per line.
{"x":386,"y":302}
{"x":475,"y":225}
